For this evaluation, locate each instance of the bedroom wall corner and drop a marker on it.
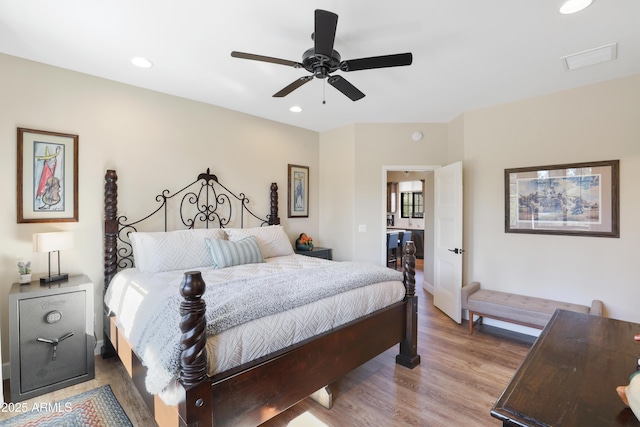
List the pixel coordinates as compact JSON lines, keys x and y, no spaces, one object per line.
{"x":337,"y":157}
{"x":379,"y":145}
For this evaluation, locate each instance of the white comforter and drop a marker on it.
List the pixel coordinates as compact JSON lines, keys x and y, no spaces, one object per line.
{"x":132,"y":296}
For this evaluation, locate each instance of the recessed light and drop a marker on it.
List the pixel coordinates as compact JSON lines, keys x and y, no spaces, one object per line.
{"x":573,"y":6}
{"x":141,"y":62}
{"x":295,"y":109}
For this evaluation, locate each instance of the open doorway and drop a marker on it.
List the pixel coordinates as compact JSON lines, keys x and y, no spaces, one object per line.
{"x":409,"y":197}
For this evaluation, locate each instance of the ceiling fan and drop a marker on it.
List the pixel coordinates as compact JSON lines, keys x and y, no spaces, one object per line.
{"x":321,"y":60}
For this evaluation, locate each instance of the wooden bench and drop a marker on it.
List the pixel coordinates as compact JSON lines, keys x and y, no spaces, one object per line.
{"x":522,"y":310}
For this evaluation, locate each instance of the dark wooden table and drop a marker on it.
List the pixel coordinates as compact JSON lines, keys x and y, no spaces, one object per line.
{"x":570,"y":375}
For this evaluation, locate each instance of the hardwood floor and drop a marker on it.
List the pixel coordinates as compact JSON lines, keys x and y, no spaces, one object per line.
{"x":459,"y":379}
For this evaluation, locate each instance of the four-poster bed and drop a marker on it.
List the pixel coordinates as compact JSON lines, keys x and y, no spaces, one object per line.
{"x":254,"y":390}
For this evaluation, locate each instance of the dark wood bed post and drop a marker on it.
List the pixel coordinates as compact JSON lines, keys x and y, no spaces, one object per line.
{"x":273,"y":215}
{"x":110,"y":226}
{"x":195,"y":403}
{"x":110,"y":250}
{"x":409,"y":356}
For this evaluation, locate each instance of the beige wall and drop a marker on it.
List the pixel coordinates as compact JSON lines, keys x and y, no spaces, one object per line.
{"x":337,"y":185}
{"x":154,"y":141}
{"x":598,"y":122}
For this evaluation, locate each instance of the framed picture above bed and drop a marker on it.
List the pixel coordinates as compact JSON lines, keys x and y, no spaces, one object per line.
{"x":577,"y":199}
{"x":47,"y":187}
{"x":298,"y":192}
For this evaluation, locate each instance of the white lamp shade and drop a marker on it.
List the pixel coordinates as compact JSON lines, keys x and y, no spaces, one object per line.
{"x":50,"y":242}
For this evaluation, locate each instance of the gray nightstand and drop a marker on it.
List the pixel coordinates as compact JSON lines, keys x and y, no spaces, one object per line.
{"x":51,"y":336}
{"x":318,"y":253}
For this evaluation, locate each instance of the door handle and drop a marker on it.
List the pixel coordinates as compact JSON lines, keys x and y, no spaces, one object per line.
{"x":456,"y":250}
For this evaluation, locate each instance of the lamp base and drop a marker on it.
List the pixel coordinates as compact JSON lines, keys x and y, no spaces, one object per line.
{"x":56,"y":278}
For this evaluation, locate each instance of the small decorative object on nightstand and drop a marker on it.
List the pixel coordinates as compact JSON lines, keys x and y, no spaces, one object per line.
{"x":317,"y":252}
{"x":24,"y":269}
{"x":51,"y":336}
{"x":304,"y":243}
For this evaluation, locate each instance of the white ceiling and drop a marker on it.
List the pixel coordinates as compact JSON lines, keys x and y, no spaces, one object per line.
{"x":467,"y":54}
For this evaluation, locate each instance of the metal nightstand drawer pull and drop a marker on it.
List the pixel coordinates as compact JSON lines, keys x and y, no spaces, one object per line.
{"x":54,"y":342}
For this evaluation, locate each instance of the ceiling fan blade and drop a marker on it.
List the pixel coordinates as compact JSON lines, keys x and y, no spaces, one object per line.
{"x":324,"y":34}
{"x":346,"y":88}
{"x":397,"y":60}
{"x":293,"y":86}
{"x":262,"y":58}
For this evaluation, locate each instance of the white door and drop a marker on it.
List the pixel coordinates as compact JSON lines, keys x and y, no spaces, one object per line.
{"x":448,"y":250}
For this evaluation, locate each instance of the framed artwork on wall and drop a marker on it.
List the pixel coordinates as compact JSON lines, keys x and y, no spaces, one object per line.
{"x":577,"y":199}
{"x":298,"y":192}
{"x":47,"y":176}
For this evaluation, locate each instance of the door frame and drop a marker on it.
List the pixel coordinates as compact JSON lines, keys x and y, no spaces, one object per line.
{"x":383,"y":209}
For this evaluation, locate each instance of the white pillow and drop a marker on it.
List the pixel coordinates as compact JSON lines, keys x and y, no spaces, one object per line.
{"x":172,"y":250}
{"x":273,"y":240}
{"x":226,"y":253}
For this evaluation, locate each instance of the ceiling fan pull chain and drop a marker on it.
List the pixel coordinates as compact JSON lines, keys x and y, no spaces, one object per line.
{"x":324,"y":91}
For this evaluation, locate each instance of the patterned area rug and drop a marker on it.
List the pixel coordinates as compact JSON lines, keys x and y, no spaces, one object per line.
{"x":95,"y":408}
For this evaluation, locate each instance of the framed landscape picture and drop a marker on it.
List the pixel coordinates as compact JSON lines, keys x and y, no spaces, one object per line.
{"x":298,"y":191}
{"x":47,"y":187}
{"x":579,"y":199}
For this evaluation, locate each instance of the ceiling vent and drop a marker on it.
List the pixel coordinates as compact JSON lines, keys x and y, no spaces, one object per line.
{"x":590,"y":57}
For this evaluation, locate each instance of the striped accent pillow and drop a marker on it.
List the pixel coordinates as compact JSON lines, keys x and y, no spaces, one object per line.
{"x":226,"y":253}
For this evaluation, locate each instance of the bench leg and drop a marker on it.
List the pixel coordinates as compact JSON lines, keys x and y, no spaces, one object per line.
{"x":472,"y":323}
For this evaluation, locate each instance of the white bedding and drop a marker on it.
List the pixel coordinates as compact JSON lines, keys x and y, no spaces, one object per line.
{"x":133,"y":295}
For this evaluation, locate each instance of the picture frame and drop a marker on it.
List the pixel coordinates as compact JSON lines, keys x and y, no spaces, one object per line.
{"x":298,"y":192}
{"x":575,"y":199}
{"x":47,"y":184}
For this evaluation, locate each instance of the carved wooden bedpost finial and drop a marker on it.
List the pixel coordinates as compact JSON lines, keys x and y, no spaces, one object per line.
{"x":273,"y":215}
{"x":409,"y":260}
{"x":110,"y":226}
{"x":193,"y":358}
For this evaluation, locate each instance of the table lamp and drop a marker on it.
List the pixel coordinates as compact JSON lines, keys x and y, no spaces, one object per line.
{"x":53,"y":242}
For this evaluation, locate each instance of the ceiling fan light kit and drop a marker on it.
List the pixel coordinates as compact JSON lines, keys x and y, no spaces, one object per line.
{"x":322,"y":60}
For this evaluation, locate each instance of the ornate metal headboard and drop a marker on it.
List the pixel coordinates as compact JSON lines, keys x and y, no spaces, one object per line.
{"x":205,"y":203}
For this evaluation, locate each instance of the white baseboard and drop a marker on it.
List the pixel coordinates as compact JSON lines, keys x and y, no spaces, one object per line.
{"x":509,"y":326}
{"x":427,"y":287}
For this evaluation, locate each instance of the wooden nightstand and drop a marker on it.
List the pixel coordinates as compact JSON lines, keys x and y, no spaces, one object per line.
{"x":51,"y":336}
{"x":318,"y":252}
